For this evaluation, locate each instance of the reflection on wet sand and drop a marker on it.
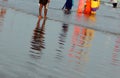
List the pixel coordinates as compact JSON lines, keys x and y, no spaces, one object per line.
{"x":116,"y":52}
{"x":91,"y":18}
{"x":2,"y":14}
{"x":81,"y":41}
{"x":61,"y":42}
{"x":80,"y":46}
{"x":37,"y":43}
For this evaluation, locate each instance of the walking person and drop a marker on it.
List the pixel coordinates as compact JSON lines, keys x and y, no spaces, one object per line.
{"x":114,"y":3}
{"x":43,"y":3}
{"x":68,"y":6}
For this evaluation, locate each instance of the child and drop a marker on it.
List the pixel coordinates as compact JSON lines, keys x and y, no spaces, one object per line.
{"x":114,"y":2}
{"x":43,"y":3}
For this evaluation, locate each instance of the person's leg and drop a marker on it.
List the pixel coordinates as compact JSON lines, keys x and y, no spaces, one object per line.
{"x":68,"y":6}
{"x":40,"y":10}
{"x":45,"y":11}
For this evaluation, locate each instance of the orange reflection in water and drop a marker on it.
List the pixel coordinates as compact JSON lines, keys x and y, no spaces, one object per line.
{"x":80,"y":44}
{"x":90,"y":18}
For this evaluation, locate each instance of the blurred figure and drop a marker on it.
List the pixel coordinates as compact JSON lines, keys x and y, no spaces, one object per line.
{"x":114,"y":2}
{"x":87,"y":8}
{"x":95,"y":4}
{"x":68,"y":6}
{"x":80,"y":6}
{"x":43,"y":3}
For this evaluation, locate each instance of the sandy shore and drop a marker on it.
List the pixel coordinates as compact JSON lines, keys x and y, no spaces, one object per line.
{"x":61,"y":46}
{"x":106,"y":19}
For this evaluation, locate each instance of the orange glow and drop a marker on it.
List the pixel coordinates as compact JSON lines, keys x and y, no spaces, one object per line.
{"x":80,"y":6}
{"x":87,"y":9}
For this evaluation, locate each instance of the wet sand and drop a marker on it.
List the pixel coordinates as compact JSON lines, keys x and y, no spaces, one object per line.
{"x":58,"y":48}
{"x":105,"y":12}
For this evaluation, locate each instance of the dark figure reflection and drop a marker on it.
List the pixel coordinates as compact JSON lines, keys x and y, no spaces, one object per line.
{"x":37,"y":43}
{"x":61,"y":42}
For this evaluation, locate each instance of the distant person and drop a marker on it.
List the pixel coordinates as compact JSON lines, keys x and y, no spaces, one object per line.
{"x":43,"y":3}
{"x":114,"y":2}
{"x":68,"y":6}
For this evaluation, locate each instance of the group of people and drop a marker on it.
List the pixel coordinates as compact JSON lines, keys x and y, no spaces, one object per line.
{"x":44,"y":3}
{"x":67,"y":6}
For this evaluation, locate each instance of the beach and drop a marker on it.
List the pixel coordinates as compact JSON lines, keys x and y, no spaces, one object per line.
{"x":61,"y":46}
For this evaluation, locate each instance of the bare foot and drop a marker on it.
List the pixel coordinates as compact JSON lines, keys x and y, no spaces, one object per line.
{"x":40,"y":17}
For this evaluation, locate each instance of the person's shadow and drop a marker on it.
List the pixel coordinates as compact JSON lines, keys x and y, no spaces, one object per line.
{"x":37,"y":43}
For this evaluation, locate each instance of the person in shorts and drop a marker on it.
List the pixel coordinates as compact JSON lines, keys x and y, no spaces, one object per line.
{"x":43,"y":3}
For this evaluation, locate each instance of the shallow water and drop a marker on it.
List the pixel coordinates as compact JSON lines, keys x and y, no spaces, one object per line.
{"x":32,"y":48}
